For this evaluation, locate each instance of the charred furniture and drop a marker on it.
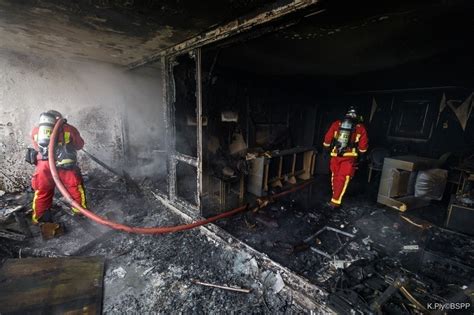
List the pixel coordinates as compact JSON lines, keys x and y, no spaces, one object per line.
{"x":376,"y":159}
{"x":398,"y":175}
{"x":277,"y":167}
{"x":225,"y":187}
{"x":461,"y":207}
{"x":460,"y":218}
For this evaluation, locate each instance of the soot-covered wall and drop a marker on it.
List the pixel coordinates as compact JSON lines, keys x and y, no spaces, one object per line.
{"x":427,"y":122}
{"x":272,"y":113}
{"x":100,"y":100}
{"x":418,"y":121}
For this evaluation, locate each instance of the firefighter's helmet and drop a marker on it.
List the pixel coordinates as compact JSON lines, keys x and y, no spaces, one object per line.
{"x":55,"y":113}
{"x":351,"y":112}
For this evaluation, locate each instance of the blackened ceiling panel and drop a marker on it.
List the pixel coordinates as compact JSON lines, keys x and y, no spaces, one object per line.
{"x":115,"y":31}
{"x":359,"y":37}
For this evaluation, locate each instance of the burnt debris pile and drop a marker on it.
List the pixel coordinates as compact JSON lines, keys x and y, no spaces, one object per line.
{"x":369,"y":259}
{"x":149,"y":273}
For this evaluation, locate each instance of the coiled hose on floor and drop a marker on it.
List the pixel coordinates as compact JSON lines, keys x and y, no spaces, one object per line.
{"x":133,"y":229}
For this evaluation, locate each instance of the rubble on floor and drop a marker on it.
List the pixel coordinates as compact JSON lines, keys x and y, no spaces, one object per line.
{"x":365,"y":258}
{"x":361,"y":250}
{"x":156,"y":273}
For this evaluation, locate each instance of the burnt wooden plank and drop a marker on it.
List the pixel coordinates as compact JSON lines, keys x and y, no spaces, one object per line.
{"x":12,"y":235}
{"x":71,"y":285}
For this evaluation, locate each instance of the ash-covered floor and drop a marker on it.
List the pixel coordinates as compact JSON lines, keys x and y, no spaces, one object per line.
{"x":155,"y":273}
{"x":386,"y":244}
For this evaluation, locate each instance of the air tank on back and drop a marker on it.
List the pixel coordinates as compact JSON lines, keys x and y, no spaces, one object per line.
{"x":46,"y":125}
{"x":344,"y":133}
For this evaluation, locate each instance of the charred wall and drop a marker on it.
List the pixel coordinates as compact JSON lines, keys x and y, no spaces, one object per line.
{"x":273,"y":114}
{"x":100,"y":100}
{"x":298,"y":110}
{"x":143,"y":119}
{"x":395,"y":54}
{"x":411,"y":121}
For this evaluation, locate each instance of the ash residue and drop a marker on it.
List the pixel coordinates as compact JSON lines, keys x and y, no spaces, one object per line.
{"x":155,"y":273}
{"x":384,"y":245}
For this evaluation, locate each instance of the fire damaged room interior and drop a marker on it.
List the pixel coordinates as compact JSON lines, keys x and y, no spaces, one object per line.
{"x":257,"y":156}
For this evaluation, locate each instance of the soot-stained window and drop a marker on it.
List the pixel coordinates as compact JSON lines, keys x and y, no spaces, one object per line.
{"x":412,"y":118}
{"x":184,"y":73}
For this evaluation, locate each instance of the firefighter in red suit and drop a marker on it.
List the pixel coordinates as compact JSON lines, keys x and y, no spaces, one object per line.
{"x":346,"y":140}
{"x":68,"y":142}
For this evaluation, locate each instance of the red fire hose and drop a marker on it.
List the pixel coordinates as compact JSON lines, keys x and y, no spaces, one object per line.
{"x":133,"y":229}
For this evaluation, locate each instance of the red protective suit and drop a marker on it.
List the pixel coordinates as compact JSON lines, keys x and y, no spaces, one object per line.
{"x":42,"y":181}
{"x":343,"y":166}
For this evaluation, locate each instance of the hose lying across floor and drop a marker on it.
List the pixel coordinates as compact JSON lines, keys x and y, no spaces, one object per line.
{"x":132,"y":229}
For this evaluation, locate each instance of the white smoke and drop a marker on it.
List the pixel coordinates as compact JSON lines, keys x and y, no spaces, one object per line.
{"x":99,"y":99}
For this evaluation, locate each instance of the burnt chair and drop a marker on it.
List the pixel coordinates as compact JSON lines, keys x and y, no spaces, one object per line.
{"x":376,"y":158}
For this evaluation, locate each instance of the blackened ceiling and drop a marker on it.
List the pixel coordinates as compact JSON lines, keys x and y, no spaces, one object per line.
{"x":361,"y":37}
{"x":114,"y":31}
